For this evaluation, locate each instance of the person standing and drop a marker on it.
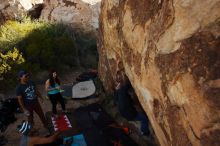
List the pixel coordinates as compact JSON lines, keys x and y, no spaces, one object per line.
{"x":27,"y":96}
{"x":52,"y":87}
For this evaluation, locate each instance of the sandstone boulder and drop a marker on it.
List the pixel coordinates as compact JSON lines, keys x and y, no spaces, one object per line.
{"x":80,"y":14}
{"x":169,"y":50}
{"x":15,"y":9}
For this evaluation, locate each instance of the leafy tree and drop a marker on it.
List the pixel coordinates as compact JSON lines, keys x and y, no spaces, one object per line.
{"x":41,"y":46}
{"x":10,"y":59}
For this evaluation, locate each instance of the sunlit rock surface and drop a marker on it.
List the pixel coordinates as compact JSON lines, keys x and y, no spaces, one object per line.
{"x":15,"y":9}
{"x":81,"y":14}
{"x":168,"y":49}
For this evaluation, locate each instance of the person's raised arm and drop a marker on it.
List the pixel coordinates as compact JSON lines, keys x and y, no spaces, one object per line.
{"x":214,"y":83}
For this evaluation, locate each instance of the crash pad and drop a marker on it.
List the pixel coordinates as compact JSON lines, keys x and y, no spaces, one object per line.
{"x":76,"y":140}
{"x":83,"y":89}
{"x":61,"y":123}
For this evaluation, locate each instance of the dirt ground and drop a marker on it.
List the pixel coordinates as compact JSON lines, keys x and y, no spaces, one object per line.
{"x":13,"y":136}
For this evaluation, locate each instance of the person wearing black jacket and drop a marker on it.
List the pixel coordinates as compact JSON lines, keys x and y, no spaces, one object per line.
{"x":126,"y":105}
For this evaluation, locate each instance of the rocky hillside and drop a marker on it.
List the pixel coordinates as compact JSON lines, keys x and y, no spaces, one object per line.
{"x":80,"y":14}
{"x":169,"y":50}
{"x":14,"y":9}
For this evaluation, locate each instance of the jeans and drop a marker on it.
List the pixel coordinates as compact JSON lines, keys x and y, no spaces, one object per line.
{"x":35,"y":107}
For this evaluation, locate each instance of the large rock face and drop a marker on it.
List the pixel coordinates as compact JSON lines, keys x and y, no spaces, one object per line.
{"x":80,"y":14}
{"x":168,"y":49}
{"x":14,"y":9}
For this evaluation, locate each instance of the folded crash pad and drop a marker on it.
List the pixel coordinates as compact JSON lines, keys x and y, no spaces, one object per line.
{"x":83,"y":89}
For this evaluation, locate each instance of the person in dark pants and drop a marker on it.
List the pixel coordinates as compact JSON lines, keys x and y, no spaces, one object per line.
{"x":52,"y":86}
{"x":27,"y":95}
{"x":126,"y":105}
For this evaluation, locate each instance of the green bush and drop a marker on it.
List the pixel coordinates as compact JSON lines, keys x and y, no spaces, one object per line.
{"x":43,"y":46}
{"x":10,"y":59}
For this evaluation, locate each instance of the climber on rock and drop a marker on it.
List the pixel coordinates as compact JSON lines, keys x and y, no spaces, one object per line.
{"x":126,"y":105}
